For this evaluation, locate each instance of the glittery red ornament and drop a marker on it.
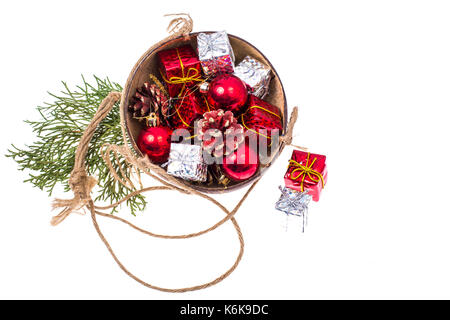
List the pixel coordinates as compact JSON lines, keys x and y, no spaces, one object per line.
{"x":227,"y":92}
{"x":155,"y":143}
{"x":241,"y":164}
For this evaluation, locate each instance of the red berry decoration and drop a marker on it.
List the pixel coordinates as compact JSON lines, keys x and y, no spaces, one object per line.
{"x":241,"y":164}
{"x":155,"y":143}
{"x":220,"y":133}
{"x":227,"y":92}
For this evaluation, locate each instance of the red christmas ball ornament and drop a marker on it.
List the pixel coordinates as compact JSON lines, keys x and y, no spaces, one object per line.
{"x":242,"y":164}
{"x":227,"y":92}
{"x":155,"y":143}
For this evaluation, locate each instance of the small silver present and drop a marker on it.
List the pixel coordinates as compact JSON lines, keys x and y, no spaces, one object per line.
{"x":255,"y":74}
{"x":186,"y":162}
{"x":294,"y":203}
{"x":215,"y":53}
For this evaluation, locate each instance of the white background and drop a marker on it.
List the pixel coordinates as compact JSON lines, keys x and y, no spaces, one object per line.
{"x":371,"y":79}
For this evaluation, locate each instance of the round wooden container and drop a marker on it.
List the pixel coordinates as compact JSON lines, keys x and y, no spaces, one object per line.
{"x":149,"y":64}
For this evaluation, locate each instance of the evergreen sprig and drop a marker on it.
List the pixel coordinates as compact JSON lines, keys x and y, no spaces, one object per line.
{"x":51,"y":157}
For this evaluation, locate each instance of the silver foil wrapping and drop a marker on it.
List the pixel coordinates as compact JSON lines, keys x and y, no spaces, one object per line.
{"x":293,"y":202}
{"x":255,"y":74}
{"x":215,"y":53}
{"x":186,"y":162}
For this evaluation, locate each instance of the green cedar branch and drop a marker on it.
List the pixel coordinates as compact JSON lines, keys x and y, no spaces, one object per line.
{"x":51,"y":157}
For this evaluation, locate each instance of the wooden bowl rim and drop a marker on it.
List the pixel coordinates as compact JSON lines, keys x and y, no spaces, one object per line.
{"x":124,"y":112}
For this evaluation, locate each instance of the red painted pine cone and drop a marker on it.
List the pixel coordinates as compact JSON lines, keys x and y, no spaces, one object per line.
{"x":220,"y":133}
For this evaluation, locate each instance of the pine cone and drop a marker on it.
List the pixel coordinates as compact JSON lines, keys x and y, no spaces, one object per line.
{"x":214,"y":129}
{"x":149,"y":99}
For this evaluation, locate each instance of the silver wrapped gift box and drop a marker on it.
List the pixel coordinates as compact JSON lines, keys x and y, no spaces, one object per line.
{"x":186,"y":162}
{"x":293,"y":202}
{"x":255,"y":74}
{"x":215,"y":53}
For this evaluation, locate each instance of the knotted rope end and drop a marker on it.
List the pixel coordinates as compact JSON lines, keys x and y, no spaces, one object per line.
{"x":287,"y":138}
{"x":182,"y":24}
{"x":81,"y":185}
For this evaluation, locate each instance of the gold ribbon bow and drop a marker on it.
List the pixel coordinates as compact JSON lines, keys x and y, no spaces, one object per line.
{"x":304,"y":171}
{"x":191,"y":75}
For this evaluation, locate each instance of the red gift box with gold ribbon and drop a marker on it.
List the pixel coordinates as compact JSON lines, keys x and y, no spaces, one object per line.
{"x":180,"y":69}
{"x":262,"y":118}
{"x":307,"y":172}
{"x":186,"y":109}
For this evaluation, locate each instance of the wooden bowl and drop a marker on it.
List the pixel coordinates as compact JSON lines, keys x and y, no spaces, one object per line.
{"x":149,"y":64}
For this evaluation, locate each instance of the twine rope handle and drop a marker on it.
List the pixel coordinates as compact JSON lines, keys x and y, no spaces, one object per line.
{"x":82,"y":184}
{"x":143,"y":164}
